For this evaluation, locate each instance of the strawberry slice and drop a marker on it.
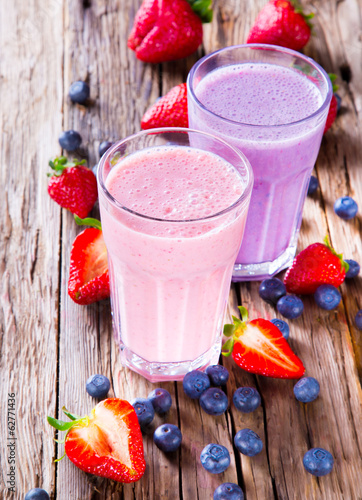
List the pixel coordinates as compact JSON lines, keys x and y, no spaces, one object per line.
{"x":107,"y":443}
{"x":88,"y":274}
{"x":259,"y":347}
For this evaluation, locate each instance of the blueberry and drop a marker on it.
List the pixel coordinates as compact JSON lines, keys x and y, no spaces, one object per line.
{"x":358,"y":319}
{"x":70,"y":140}
{"x":318,"y":462}
{"x":37,"y":494}
{"x":79,"y":92}
{"x":246,"y":399}
{"x":290,"y":306}
{"x":214,"y":401}
{"x":167,"y":437}
{"x":313,"y":185}
{"x":217,"y":374}
{"x":144,"y":410}
{"x":354,"y":268}
{"x":271,"y":290}
{"x":103,"y":147}
{"x":248,"y":442}
{"x":339,"y":101}
{"x":283,"y":327}
{"x":98,"y":386}
{"x":161,"y":400}
{"x":228,"y":491}
{"x":346,"y":208}
{"x":327,"y":297}
{"x":195,"y":383}
{"x":306,"y":389}
{"x":215,"y":458}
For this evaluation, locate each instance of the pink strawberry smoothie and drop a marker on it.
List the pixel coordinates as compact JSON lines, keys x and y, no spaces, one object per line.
{"x":260,"y":102}
{"x":170,"y":271}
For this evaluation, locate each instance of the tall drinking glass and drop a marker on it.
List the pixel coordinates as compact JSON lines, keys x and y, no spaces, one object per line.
{"x":173,"y":208}
{"x":272,"y":104}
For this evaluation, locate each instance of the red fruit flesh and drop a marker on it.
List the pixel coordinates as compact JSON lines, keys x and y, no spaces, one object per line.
{"x":110,"y":444}
{"x":165,"y":30}
{"x":169,"y":111}
{"x":279,"y":24}
{"x":88,"y":275}
{"x":332,"y":113}
{"x":262,"y":349}
{"x":314,"y":266}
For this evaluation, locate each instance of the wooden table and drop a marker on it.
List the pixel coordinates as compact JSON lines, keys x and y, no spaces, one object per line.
{"x":49,"y":345}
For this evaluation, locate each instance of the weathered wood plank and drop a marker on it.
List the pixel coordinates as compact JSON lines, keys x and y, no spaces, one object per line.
{"x":30,"y":115}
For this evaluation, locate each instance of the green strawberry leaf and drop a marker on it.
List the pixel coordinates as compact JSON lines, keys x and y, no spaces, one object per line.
{"x":229,"y":330}
{"x":299,"y":10}
{"x":244,"y":313}
{"x":60,"y":425}
{"x":60,"y":163}
{"x":59,"y":459}
{"x":203,"y":9}
{"x":333,"y":78}
{"x":228,"y":347}
{"x":327,"y":243}
{"x":88,"y":221}
{"x":70,"y":415}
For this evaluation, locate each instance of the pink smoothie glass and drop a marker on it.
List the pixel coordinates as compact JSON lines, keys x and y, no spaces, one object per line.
{"x":272,"y":104}
{"x":173,"y":206}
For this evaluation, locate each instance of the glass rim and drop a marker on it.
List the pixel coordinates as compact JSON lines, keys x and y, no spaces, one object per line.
{"x":275,"y":48}
{"x":245,"y":194}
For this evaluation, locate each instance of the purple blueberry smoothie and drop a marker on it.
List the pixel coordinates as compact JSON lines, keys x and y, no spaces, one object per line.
{"x":272,"y":114}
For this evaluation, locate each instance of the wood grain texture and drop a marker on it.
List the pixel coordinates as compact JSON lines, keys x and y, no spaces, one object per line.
{"x":49,"y":345}
{"x":30,"y":115}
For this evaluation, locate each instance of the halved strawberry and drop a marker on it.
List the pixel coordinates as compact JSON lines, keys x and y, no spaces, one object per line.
{"x":107,"y":443}
{"x":88,"y":271}
{"x":259,"y":347}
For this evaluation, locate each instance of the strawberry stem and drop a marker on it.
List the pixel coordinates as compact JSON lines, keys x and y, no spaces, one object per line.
{"x":203,"y":9}
{"x":88,"y":221}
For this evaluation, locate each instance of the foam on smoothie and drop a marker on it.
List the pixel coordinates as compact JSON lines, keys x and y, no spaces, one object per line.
{"x":175,"y":183}
{"x":259,"y":94}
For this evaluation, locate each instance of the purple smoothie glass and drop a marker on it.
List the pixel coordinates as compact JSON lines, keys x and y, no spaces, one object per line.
{"x":281,"y":146}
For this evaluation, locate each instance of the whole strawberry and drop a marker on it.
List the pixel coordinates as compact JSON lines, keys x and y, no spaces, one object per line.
{"x":169,"y":29}
{"x":88,"y":270}
{"x":333,"y":107}
{"x":73,"y":186}
{"x":280,"y":23}
{"x":316,"y":265}
{"x":169,"y":111}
